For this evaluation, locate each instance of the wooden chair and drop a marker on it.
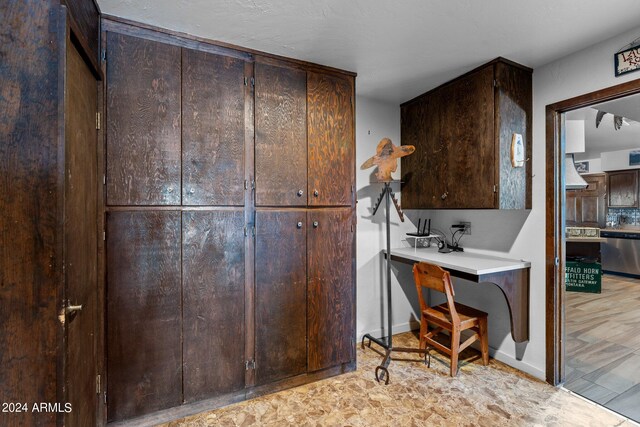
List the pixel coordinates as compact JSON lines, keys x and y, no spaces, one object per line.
{"x":450,"y":316}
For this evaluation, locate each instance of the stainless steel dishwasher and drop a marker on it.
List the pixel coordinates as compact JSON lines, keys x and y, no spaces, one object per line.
{"x":621,"y":253}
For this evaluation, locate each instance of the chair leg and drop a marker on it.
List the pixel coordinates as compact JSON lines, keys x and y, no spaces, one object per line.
{"x":484,"y":340}
{"x":424,"y":329}
{"x":455,"y":347}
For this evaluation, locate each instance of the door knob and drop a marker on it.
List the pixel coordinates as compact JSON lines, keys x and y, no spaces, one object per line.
{"x":315,"y":224}
{"x":300,"y":193}
{"x":299,"y":225}
{"x":72,"y":309}
{"x":315,"y":193}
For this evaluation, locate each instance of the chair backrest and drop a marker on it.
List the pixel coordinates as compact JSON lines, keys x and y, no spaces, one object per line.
{"x":434,"y":277}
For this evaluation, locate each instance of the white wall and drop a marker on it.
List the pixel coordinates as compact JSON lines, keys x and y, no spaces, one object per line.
{"x":515,"y":234}
{"x":376,"y":120}
{"x":617,"y":160}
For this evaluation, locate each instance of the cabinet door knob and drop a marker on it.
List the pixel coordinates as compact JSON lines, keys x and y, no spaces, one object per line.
{"x":299,"y":225}
{"x":315,"y":224}
{"x":315,"y":193}
{"x":300,"y":193}
{"x":444,"y":195}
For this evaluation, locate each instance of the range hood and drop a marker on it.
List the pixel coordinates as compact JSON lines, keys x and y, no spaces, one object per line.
{"x":574,"y":143}
{"x":572,"y":179}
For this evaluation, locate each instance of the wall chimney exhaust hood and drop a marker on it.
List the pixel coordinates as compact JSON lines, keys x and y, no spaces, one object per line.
{"x":574,"y":143}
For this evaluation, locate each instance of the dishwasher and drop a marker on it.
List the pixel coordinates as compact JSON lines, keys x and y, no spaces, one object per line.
{"x":621,"y":253}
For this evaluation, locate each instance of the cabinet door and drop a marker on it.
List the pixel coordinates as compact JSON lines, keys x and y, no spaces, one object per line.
{"x":592,"y":202}
{"x":143,"y":122}
{"x":213,"y":128}
{"x":623,"y":189}
{"x":330,"y":288}
{"x":281,"y":294}
{"x":571,"y":207}
{"x":281,"y":136}
{"x":144,"y":315}
{"x":213,"y":303}
{"x":331,"y":140}
{"x":467,"y":129}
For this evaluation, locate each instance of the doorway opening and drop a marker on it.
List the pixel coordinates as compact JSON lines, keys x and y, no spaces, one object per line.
{"x":563,"y":210}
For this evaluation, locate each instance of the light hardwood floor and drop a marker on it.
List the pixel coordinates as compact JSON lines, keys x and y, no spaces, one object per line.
{"x":603,"y":345}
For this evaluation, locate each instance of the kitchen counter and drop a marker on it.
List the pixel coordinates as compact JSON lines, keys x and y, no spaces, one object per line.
{"x":585,"y":239}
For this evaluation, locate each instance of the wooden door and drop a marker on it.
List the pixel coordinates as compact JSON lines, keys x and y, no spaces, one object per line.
{"x":144,"y":312}
{"x":623,"y":189}
{"x":143,"y":122}
{"x":281,"y":136}
{"x":281,"y":294}
{"x":330,"y":288}
{"x":330,"y":140}
{"x":213,"y":127}
{"x":213,"y":302}
{"x":467,"y":127}
{"x":81,"y":241}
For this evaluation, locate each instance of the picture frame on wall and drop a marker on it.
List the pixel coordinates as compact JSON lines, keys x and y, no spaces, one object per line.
{"x":582,"y":167}
{"x":627,"y":60}
{"x":634,"y":158}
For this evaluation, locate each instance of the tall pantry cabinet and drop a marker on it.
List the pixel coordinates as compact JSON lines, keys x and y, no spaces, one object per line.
{"x":230,"y":223}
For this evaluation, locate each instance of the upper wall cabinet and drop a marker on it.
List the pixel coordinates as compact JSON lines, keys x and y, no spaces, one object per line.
{"x":143,"y":122}
{"x":330,"y":139}
{"x":463,"y":133}
{"x":281,"y":136}
{"x":213,"y":126}
{"x":623,"y":189}
{"x":175,"y":125}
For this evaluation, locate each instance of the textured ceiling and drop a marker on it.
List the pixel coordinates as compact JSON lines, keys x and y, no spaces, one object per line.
{"x":398,"y":48}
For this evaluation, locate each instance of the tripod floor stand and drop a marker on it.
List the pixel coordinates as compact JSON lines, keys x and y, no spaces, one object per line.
{"x":382,"y":373}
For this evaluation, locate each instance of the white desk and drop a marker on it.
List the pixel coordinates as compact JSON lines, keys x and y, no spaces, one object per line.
{"x":511,"y":276}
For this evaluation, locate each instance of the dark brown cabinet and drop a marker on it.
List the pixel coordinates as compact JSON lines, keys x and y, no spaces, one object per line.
{"x":143,"y":122}
{"x":586,"y":207}
{"x":281,"y":136}
{"x":144,"y":312}
{"x":623,"y":189}
{"x":281,"y":294}
{"x":463,"y":134}
{"x":330,"y":140}
{"x":244,"y":282}
{"x":213,"y":277}
{"x":331,"y":295}
{"x":213,"y":126}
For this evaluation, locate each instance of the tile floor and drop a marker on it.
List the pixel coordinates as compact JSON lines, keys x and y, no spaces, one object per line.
{"x":495,"y":395}
{"x":603,"y":345}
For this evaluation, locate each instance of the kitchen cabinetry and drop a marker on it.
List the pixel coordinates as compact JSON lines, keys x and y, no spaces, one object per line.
{"x":623,"y":189}
{"x":586,"y":207}
{"x":463,"y":134}
{"x":235,"y":234}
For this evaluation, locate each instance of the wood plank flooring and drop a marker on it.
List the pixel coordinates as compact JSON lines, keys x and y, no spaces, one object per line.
{"x":603,"y":345}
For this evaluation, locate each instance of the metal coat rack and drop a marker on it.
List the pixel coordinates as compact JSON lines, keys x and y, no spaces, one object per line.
{"x":382,"y":372}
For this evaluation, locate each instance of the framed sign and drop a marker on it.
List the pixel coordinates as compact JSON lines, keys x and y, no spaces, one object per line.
{"x":627,"y":60}
{"x":582,"y":167}
{"x":634,"y":158}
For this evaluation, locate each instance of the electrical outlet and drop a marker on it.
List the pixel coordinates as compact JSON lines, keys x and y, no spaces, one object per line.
{"x":467,"y":227}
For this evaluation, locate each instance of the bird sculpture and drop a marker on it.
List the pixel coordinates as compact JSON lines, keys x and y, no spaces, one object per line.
{"x":386,"y":158}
